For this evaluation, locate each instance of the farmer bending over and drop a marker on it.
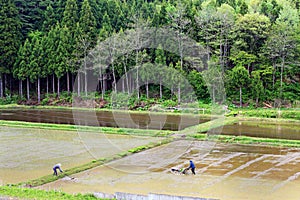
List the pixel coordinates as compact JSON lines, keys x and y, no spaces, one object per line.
{"x":57,"y":167}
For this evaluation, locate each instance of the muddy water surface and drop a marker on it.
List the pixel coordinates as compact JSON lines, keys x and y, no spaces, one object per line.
{"x":103,"y":118}
{"x":264,"y":129}
{"x":30,"y":153}
{"x":223,"y":171}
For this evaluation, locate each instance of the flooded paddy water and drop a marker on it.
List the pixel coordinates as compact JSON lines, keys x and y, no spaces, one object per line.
{"x":102,"y":118}
{"x":264,"y":129}
{"x":27,"y":154}
{"x":223,"y":171}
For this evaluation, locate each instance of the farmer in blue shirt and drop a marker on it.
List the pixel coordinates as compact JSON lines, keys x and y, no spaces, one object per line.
{"x":57,"y":167}
{"x":192,"y":167}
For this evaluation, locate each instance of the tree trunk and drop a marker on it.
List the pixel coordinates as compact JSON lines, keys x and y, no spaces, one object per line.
{"x":39,"y":90}
{"x":241,"y":101}
{"x":126,"y":77}
{"x":53,"y":83}
{"x":47,"y":89}
{"x":178,"y":93}
{"x":274,"y":74}
{"x":137,"y":74}
{"x":114,"y":78}
{"x":10,"y":85}
{"x":72,"y":83}
{"x":130,"y":84}
{"x":1,"y":86}
{"x":104,"y":83}
{"x":58,"y":87}
{"x":281,"y":76}
{"x":21,"y":88}
{"x":101,"y":85}
{"x":27,"y":80}
{"x":123,"y":85}
{"x":147,"y":89}
{"x":68,"y":82}
{"x":85,"y":83}
{"x":181,"y":63}
{"x":4,"y":85}
{"x":160,"y":89}
{"x":78,"y":84}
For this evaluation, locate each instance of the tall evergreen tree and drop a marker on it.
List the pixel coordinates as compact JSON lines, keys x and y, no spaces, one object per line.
{"x":239,"y":78}
{"x":87,"y":23}
{"x":31,"y":14}
{"x":50,"y":19}
{"x":62,"y":53}
{"x":70,"y":15}
{"x":22,"y":66}
{"x":52,"y":42}
{"x":10,"y":36}
{"x":37,"y":60}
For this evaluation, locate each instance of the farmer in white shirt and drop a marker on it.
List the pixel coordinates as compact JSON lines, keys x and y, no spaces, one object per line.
{"x":57,"y":167}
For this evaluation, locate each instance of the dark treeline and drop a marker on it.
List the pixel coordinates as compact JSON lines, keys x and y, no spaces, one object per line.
{"x":254,"y":45}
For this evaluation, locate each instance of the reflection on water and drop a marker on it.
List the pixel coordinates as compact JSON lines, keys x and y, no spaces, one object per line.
{"x":103,"y":118}
{"x":263,"y":129}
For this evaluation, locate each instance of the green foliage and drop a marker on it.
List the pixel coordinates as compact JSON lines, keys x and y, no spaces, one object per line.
{"x":42,"y":38}
{"x":251,"y":32}
{"x":266,"y":113}
{"x":70,"y":15}
{"x":10,"y":35}
{"x":137,"y":149}
{"x":87,"y":23}
{"x":169,"y":103}
{"x":10,"y":100}
{"x":26,"y":193}
{"x":239,"y":78}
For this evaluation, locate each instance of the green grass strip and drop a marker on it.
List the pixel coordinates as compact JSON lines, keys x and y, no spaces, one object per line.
{"x":67,"y":127}
{"x":247,"y":140}
{"x":272,"y":113}
{"x":205,"y":127}
{"x":26,"y":193}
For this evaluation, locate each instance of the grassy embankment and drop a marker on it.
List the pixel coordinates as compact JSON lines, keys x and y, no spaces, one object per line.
{"x":273,"y":113}
{"x":26,"y":193}
{"x":103,"y":130}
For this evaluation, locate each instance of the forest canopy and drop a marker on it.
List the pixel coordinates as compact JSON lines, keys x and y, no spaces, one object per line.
{"x":252,"y":46}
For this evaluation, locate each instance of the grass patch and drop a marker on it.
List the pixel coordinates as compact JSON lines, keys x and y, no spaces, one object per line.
{"x":266,"y":113}
{"x":67,"y":127}
{"x":205,"y":127}
{"x":26,"y":193}
{"x":247,"y":140}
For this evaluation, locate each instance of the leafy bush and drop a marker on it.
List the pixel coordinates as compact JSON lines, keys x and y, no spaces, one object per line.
{"x":169,"y":103}
{"x":10,"y":100}
{"x":45,"y":101}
